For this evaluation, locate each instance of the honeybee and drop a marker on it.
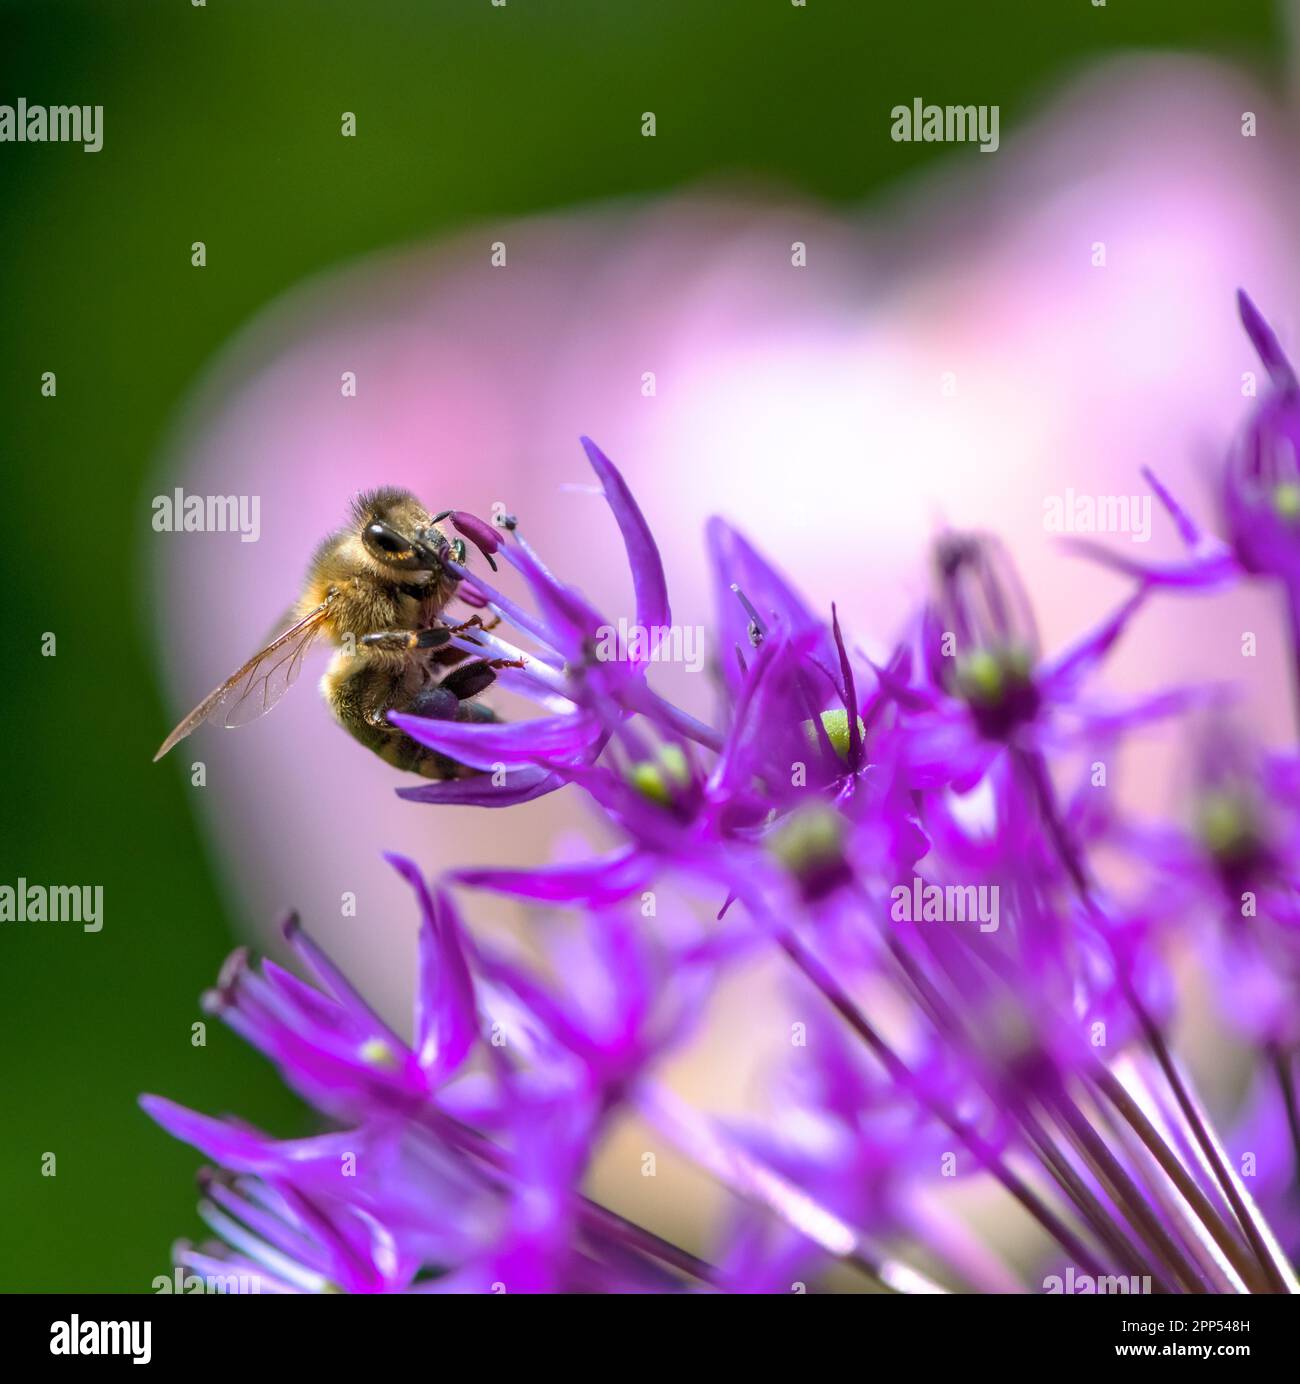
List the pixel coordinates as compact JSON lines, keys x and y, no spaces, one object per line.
{"x":376,"y":589}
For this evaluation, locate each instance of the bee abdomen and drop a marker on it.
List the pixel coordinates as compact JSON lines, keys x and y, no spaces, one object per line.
{"x":413,"y":758}
{"x":429,"y":762}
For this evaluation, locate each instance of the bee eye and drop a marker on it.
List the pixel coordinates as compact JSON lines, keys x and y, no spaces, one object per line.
{"x":380,"y":538}
{"x":393,"y":549}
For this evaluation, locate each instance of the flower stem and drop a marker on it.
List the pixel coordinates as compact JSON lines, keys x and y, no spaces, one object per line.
{"x":1075,"y":1188}
{"x":1209,"y":1146}
{"x":1293,"y":628}
{"x":646,"y":1241}
{"x":1281,"y":1061}
{"x":1127,"y":1194}
{"x":1073,"y":863}
{"x":1114,"y":1091}
{"x":821,"y":979}
{"x":592,"y":1213}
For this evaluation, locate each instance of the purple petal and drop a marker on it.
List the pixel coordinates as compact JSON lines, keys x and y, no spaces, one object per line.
{"x":240,"y":1147}
{"x":1266,"y":344}
{"x":1157,"y":706}
{"x":541,"y":1004}
{"x":948,"y":749}
{"x":736,"y":1168}
{"x":1188,"y":529}
{"x":277,"y":1232}
{"x":446,"y":1015}
{"x":338,"y":984}
{"x":1214,"y":567}
{"x":640,"y":817}
{"x":1064,"y":672}
{"x":483,"y":745}
{"x":850,"y":693}
{"x":595,"y":883}
{"x":736,"y":562}
{"x":643,"y":558}
{"x":571,"y":617}
{"x":522,"y":785}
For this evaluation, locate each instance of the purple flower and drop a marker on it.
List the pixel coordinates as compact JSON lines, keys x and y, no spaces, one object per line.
{"x":438,"y":1177}
{"x":1261,"y":484}
{"x":973,"y":997}
{"x":1228,"y":867}
{"x":987,"y":690}
{"x":1259,"y":491}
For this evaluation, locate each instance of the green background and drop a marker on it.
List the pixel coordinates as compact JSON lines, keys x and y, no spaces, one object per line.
{"x":222,"y":124}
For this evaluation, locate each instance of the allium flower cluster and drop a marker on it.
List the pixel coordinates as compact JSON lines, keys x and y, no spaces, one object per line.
{"x":982,"y":1010}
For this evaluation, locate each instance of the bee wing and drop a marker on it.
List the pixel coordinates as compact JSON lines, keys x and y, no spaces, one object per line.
{"x":256,"y":687}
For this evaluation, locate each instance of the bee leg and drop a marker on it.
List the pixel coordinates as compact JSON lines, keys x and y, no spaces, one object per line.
{"x":448,"y":655}
{"x":402,"y":641}
{"x":475,"y":622}
{"x":441,"y":704}
{"x":473,"y":678}
{"x":437,"y":703}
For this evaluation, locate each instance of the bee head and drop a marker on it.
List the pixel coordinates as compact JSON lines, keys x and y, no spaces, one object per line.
{"x":397,"y":533}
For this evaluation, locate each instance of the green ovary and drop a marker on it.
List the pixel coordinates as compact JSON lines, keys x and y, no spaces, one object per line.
{"x":656,"y":778}
{"x":836,"y":725}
